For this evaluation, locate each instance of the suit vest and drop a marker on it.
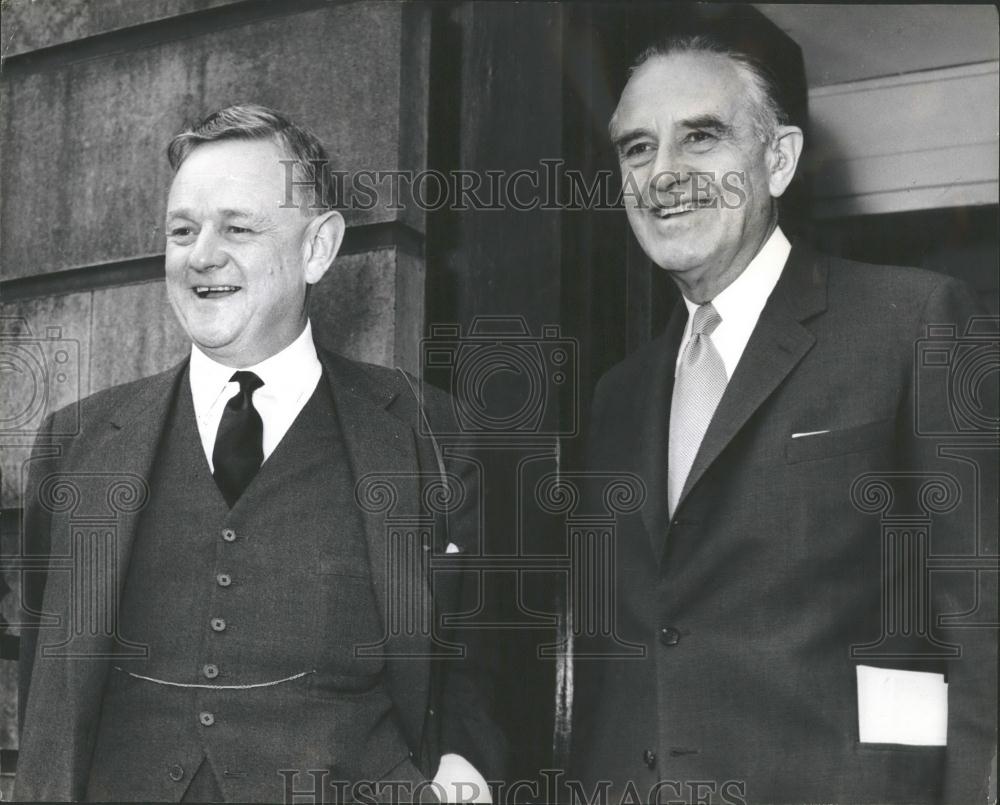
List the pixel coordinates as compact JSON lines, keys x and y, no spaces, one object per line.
{"x":251,"y":617}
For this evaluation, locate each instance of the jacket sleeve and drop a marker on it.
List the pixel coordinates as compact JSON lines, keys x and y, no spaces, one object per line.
{"x":951,"y":431}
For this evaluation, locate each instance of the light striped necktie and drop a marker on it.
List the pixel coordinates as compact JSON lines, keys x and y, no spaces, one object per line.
{"x":698,"y":387}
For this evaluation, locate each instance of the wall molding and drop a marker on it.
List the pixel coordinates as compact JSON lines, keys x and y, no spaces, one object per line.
{"x":923,"y":140}
{"x":152,"y":32}
{"x":931,"y":76}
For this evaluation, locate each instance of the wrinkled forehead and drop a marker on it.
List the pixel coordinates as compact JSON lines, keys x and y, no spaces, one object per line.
{"x":680,"y":86}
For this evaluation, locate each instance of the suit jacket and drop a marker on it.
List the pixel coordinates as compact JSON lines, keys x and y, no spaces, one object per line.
{"x":442,"y":706}
{"x":773,"y":579}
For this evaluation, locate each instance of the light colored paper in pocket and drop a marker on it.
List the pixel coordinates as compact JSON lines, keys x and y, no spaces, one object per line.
{"x":902,"y":707}
{"x":809,"y":433}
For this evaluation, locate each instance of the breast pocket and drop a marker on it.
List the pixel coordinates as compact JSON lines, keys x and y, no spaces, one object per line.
{"x":855,"y":439}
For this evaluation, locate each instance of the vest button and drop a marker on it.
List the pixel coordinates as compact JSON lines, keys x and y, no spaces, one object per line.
{"x":176,"y":772}
{"x":211,"y":671}
{"x":206,"y":719}
{"x":228,"y":535}
{"x":224,"y":579}
{"x":218,"y":625}
{"x":669,"y":636}
{"x":649,"y":758}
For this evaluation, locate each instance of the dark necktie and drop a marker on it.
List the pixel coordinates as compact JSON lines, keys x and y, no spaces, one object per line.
{"x":239,"y":449}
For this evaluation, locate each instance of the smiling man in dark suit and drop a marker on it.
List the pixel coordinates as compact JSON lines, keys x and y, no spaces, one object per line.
{"x":785,"y":382}
{"x":249,"y":579}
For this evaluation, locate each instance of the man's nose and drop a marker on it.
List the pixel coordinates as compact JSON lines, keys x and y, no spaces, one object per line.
{"x":207,"y":252}
{"x":668,"y":177}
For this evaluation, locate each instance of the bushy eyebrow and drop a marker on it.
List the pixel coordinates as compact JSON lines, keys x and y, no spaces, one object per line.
{"x":623,"y":139}
{"x":708,"y":123}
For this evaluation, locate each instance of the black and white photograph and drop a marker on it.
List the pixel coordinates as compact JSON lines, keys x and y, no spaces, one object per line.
{"x":499,"y":402}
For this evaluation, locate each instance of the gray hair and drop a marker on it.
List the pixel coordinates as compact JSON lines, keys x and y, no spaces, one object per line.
{"x":252,"y":122}
{"x":766,"y":111}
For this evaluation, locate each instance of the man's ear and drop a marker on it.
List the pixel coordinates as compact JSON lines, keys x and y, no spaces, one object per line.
{"x":783,"y":158}
{"x":323,"y":237}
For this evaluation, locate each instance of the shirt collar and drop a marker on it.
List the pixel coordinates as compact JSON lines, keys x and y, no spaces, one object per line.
{"x":743,"y":299}
{"x":285,"y":374}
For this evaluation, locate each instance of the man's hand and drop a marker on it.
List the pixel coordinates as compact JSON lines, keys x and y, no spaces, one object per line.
{"x":460,"y":781}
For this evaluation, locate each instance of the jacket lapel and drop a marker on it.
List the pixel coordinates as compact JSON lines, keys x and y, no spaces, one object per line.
{"x":136,"y":429}
{"x":378,"y":445}
{"x":382,"y":446}
{"x":656,"y":388}
{"x":777,"y":344}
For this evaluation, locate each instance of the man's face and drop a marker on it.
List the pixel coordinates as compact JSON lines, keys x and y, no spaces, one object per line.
{"x":235,"y":258}
{"x":695,"y":173}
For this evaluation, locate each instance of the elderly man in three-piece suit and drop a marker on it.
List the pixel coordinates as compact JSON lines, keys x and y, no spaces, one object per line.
{"x":775,"y":667}
{"x":247,"y":578}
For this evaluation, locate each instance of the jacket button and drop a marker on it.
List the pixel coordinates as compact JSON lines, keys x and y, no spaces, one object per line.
{"x":669,"y":636}
{"x":649,"y":758}
{"x":211,"y":671}
{"x":176,"y":772}
{"x":228,"y":535}
{"x":206,"y":719}
{"x":224,"y":579}
{"x":218,"y":625}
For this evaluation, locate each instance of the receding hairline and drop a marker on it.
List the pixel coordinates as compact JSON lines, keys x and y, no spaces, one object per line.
{"x":760,"y":106}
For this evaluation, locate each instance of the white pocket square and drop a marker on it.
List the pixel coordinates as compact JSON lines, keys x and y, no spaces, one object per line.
{"x":808,"y":433}
{"x":452,"y":548}
{"x":902,"y":707}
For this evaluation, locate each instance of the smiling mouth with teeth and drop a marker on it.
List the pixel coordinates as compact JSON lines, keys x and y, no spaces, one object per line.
{"x":215,"y":291}
{"x":680,"y":209}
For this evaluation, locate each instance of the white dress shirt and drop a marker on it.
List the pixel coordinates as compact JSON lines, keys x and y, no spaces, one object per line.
{"x":741,"y":302}
{"x":290,"y":377}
